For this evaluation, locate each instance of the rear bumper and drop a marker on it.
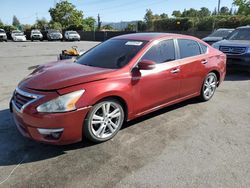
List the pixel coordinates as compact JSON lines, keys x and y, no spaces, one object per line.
{"x":70,"y":122}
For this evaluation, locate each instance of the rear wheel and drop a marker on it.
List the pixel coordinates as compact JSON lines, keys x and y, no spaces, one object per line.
{"x":209,"y":87}
{"x":104,"y":120}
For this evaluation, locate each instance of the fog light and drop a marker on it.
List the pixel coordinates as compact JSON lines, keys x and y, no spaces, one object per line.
{"x":51,"y":133}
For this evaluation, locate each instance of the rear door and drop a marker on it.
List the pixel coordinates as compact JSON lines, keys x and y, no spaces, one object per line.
{"x":193,"y":59}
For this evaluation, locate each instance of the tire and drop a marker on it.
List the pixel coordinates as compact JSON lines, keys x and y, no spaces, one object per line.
{"x":209,"y":87}
{"x":101,"y":126}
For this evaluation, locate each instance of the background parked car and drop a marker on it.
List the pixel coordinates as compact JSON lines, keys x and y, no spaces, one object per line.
{"x":14,"y":32}
{"x":72,"y":35}
{"x":36,"y":35}
{"x":3,"y":36}
{"x":19,"y":37}
{"x":54,"y":35}
{"x":217,"y":35}
{"x":237,"y":46}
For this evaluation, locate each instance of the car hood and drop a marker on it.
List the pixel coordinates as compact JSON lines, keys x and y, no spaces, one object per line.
{"x":236,"y":43}
{"x":20,"y":37}
{"x":209,"y":39}
{"x":2,"y":34}
{"x":61,"y":74}
{"x":74,"y":35}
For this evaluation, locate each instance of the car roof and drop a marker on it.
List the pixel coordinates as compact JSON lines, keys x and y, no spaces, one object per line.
{"x":149,"y":36}
{"x":225,"y":29}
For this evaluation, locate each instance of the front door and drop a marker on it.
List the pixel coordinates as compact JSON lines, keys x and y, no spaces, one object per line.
{"x":160,"y":85}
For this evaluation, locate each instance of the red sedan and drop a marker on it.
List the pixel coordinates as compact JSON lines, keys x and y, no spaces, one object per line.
{"x":119,"y":80}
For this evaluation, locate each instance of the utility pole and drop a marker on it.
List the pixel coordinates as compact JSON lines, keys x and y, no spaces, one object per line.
{"x":219,"y":6}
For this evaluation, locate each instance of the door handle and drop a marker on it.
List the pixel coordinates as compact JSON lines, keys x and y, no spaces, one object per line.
{"x":174,"y":71}
{"x":204,"y":62}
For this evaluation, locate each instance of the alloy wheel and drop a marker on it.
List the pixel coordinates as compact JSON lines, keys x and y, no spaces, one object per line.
{"x":209,"y":86}
{"x":106,"y":120}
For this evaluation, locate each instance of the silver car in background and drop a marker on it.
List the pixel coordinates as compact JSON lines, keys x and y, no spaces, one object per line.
{"x":54,"y":35}
{"x":3,"y":36}
{"x":72,"y":35}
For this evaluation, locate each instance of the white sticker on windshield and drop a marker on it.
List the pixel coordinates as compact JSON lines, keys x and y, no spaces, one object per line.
{"x":134,"y":43}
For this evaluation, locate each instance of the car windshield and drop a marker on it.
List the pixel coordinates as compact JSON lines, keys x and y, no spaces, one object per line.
{"x":112,"y":54}
{"x":220,"y":33}
{"x":35,"y":32}
{"x":18,"y":34}
{"x":72,"y":32}
{"x":2,"y":31}
{"x":240,"y":34}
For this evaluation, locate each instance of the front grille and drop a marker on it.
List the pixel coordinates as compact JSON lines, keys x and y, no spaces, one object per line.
{"x":21,"y":98}
{"x":233,"y":50}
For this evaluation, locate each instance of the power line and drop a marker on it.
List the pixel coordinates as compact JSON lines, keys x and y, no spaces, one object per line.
{"x":124,"y":5}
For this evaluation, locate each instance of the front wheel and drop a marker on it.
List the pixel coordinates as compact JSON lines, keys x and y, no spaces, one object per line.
{"x":209,"y":87}
{"x":104,"y":120}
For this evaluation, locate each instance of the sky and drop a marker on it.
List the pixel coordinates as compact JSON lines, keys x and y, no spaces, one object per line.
{"x":110,"y":10}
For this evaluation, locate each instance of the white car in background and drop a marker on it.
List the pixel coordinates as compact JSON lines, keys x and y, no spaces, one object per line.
{"x":3,"y":36}
{"x":72,"y":35}
{"x":14,"y":32}
{"x":18,"y":37}
{"x":36,"y":35}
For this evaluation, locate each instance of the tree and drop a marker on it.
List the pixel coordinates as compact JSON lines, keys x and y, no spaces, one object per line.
{"x":163,"y":16}
{"x":26,"y":27}
{"x":148,"y":16}
{"x":130,"y":27}
{"x":89,"y":24}
{"x":176,"y":13}
{"x":41,"y":24}
{"x":1,"y":24}
{"x":99,"y":23}
{"x":224,"y":11}
{"x":66,"y":14}
{"x":107,"y":27}
{"x":204,"y":12}
{"x":243,"y":6}
{"x":142,"y":26}
{"x":15,"y":21}
{"x":55,"y":25}
{"x":190,"y":13}
{"x":214,"y":12}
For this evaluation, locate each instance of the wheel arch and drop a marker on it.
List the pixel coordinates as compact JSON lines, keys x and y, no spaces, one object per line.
{"x":120,"y":99}
{"x":217,"y":73}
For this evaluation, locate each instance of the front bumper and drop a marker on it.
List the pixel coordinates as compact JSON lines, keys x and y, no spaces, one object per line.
{"x":243,"y":60}
{"x":71,"y":123}
{"x":73,"y":38}
{"x":3,"y":38}
{"x":37,"y":37}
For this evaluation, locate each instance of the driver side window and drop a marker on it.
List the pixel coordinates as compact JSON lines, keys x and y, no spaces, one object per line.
{"x":162,"y":52}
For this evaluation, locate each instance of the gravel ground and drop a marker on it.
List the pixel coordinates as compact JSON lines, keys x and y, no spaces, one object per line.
{"x":191,"y":144}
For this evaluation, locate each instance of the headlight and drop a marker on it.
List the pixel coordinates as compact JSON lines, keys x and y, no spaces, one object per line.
{"x":215,"y":45}
{"x":248,"y":50}
{"x":62,"y":103}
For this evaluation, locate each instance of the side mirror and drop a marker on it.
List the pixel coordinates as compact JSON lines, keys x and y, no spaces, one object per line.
{"x":146,"y":65}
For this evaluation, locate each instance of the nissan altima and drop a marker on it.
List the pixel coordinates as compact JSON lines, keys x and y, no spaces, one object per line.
{"x":121,"y":79}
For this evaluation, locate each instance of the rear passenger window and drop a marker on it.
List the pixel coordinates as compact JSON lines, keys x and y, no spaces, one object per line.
{"x":204,"y":48}
{"x":162,"y":52}
{"x":188,"y":48}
